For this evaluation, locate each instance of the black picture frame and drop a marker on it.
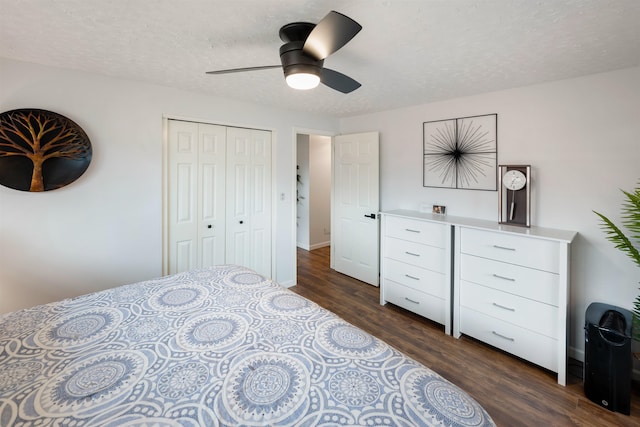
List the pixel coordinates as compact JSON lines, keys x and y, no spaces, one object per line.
{"x":515,"y":206}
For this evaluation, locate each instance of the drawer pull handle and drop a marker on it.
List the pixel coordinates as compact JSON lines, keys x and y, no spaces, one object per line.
{"x":412,"y":254}
{"x":497,"y":276}
{"x":504,"y":248}
{"x":412,"y":231}
{"x":503,"y":307}
{"x":412,"y":277}
{"x":412,"y":301}
{"x":502,"y":336}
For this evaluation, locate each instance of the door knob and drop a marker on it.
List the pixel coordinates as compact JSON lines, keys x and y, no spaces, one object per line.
{"x":241,"y":222}
{"x":209,"y":226}
{"x":372,"y":216}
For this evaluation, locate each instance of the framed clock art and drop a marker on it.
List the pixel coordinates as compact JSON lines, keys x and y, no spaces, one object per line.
{"x":41,"y":150}
{"x":514,"y":183}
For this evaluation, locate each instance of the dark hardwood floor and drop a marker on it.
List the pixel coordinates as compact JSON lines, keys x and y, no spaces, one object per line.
{"x":513,"y":391}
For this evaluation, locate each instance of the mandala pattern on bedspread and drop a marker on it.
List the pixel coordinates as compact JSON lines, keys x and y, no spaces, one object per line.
{"x":215,"y":347}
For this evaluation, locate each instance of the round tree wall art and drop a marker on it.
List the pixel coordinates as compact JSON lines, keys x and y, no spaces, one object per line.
{"x":41,"y":150}
{"x":461,"y":153}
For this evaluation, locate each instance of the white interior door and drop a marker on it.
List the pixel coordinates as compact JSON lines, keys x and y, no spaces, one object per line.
{"x":355,"y":231}
{"x":196,"y":222}
{"x":248,"y":212}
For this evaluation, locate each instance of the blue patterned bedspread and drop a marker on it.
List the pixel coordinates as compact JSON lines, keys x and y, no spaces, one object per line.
{"x":216,"y":347}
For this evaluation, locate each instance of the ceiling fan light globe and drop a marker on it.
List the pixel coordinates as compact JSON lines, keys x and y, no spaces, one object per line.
{"x":303,"y":81}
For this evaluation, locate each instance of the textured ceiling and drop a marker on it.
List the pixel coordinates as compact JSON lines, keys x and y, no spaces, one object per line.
{"x":408,"y":53}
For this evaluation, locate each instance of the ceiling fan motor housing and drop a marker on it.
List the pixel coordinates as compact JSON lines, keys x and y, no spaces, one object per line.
{"x":295,"y":31}
{"x":295,"y":61}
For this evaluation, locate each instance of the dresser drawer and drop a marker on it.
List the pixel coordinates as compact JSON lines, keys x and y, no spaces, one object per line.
{"x":427,"y":233}
{"x":535,"y":316}
{"x":520,"y":250}
{"x":529,"y":283}
{"x":413,"y":300}
{"x":524,"y":343}
{"x":417,"y":278}
{"x":424,"y":256}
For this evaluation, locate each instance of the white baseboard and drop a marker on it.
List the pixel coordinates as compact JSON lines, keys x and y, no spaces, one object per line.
{"x":319,"y":245}
{"x":287,"y":284}
{"x":314,"y":246}
{"x":574,"y":353}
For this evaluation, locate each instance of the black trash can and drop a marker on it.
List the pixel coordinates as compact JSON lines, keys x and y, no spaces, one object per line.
{"x":608,"y":360}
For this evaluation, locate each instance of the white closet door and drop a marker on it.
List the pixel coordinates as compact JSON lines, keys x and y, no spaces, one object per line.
{"x":261,"y":234}
{"x":248,"y":196}
{"x":182,"y":202}
{"x":211,"y":198}
{"x":195,"y":211}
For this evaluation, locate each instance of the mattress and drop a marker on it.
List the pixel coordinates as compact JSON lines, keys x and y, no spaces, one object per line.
{"x":214,"y":347}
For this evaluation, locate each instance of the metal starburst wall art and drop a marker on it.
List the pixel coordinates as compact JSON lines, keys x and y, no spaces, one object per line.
{"x":461,"y":153}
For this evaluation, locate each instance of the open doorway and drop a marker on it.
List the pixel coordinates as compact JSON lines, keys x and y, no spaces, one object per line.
{"x":313,"y":191}
{"x":350,"y":224}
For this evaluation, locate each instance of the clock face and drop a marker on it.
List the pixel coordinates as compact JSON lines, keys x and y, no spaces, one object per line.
{"x":514,"y":180}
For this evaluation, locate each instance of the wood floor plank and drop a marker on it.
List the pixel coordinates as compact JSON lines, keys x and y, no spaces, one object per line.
{"x":513,"y":391}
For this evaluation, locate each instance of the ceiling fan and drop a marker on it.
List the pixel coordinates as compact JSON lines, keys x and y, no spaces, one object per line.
{"x":305,"y":48}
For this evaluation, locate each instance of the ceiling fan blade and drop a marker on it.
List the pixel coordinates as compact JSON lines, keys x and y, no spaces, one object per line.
{"x":240,"y":70}
{"x":338,"y":81}
{"x":330,"y":34}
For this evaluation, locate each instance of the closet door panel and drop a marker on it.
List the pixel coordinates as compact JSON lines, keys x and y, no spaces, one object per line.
{"x":237,"y":196}
{"x":184,"y":255}
{"x":211,"y":194}
{"x":249,"y":199}
{"x":182,"y":196}
{"x":260,"y":194}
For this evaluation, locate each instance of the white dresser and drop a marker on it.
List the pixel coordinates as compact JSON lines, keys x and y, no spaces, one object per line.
{"x":415,"y":270}
{"x":512,"y":291}
{"x":509,"y":285}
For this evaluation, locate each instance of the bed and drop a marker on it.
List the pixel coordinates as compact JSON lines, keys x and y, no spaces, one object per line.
{"x":214,"y":347}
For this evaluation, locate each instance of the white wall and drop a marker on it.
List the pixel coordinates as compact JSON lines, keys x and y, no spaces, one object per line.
{"x":582,"y":138}
{"x":105,"y":229}
{"x":314,"y":191}
{"x":320,"y":192}
{"x":303,"y":188}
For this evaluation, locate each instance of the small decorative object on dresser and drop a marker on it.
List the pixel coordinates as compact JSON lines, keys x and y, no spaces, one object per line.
{"x":439,"y":209}
{"x":515,"y":195}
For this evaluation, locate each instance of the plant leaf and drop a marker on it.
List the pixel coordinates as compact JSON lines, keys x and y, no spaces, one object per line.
{"x":618,"y":238}
{"x":631,"y":220}
{"x":631,"y":213}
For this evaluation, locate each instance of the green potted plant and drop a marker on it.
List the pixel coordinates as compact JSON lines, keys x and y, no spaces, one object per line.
{"x":629,"y":244}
